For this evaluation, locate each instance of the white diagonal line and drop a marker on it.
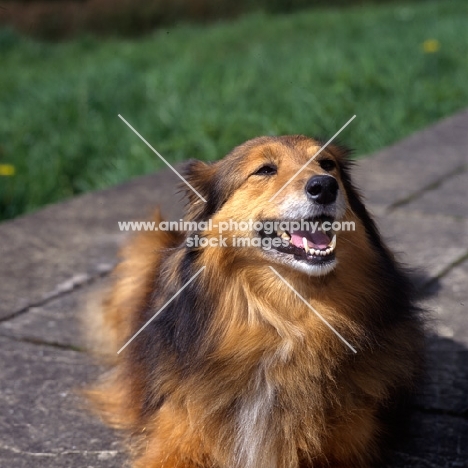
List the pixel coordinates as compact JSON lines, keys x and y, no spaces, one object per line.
{"x":158,"y":154}
{"x":314,"y":156}
{"x":313,"y":310}
{"x":161,"y":309}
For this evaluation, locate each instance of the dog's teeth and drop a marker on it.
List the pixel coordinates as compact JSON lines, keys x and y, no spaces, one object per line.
{"x":315,"y":252}
{"x":285,"y":235}
{"x":328,"y":251}
{"x":306,"y":245}
{"x":332,"y":244}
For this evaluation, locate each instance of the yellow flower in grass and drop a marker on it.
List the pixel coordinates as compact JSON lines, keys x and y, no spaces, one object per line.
{"x":430,"y":46}
{"x":7,"y":170}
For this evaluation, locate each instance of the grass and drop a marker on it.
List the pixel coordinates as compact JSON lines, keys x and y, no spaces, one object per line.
{"x":195,"y":92}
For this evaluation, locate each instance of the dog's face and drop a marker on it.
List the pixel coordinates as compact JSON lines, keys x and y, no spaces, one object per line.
{"x":282,"y":183}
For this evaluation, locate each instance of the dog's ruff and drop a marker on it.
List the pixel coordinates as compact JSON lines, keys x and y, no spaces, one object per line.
{"x":237,"y":372}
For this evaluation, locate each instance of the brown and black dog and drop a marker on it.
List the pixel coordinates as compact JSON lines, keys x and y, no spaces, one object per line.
{"x":238,"y":371}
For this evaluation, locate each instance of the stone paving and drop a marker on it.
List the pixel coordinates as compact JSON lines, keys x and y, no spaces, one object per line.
{"x":52,"y":259}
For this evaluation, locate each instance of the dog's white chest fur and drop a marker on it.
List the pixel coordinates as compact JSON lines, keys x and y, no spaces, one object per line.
{"x":255,"y":446}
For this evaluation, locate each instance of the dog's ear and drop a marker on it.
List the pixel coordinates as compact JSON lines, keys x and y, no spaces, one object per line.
{"x":200,"y":176}
{"x":203,"y":199}
{"x":340,"y":152}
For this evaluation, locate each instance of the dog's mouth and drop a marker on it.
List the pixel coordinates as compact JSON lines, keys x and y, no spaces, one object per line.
{"x":313,"y":245}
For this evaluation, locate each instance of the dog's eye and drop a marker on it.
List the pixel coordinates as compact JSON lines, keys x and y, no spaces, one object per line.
{"x":327,"y":164}
{"x":267,"y":169}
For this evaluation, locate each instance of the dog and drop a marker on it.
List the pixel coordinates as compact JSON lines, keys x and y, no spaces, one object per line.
{"x":287,"y":353}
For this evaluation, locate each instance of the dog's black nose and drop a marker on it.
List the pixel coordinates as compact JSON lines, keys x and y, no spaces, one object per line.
{"x":322,"y":189}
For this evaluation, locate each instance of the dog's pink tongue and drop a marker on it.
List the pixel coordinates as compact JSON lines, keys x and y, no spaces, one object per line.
{"x":315,"y":240}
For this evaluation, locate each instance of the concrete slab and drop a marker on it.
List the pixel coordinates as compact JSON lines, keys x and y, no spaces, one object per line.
{"x":434,"y":441}
{"x":449,"y":304}
{"x":406,"y":168}
{"x":57,"y":322}
{"x":445,"y":390}
{"x":43,"y":422}
{"x":450,"y":199}
{"x":63,"y":459}
{"x":66,"y":245}
{"x":429,"y":243}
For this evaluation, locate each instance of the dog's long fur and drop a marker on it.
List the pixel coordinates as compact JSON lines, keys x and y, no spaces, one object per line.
{"x":237,"y":372}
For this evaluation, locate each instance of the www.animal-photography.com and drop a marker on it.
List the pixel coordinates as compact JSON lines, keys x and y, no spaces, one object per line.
{"x":233,"y":234}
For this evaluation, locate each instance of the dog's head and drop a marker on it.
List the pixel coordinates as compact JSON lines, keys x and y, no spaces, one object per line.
{"x":293,"y":195}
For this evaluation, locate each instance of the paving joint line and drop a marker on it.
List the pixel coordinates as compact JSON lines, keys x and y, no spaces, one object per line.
{"x":40,"y":342}
{"x":59,"y":452}
{"x":427,"y":188}
{"x":42,"y":302}
{"x":445,"y":271}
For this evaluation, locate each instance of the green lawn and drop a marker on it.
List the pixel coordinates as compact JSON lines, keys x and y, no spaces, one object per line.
{"x":196,"y":91}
